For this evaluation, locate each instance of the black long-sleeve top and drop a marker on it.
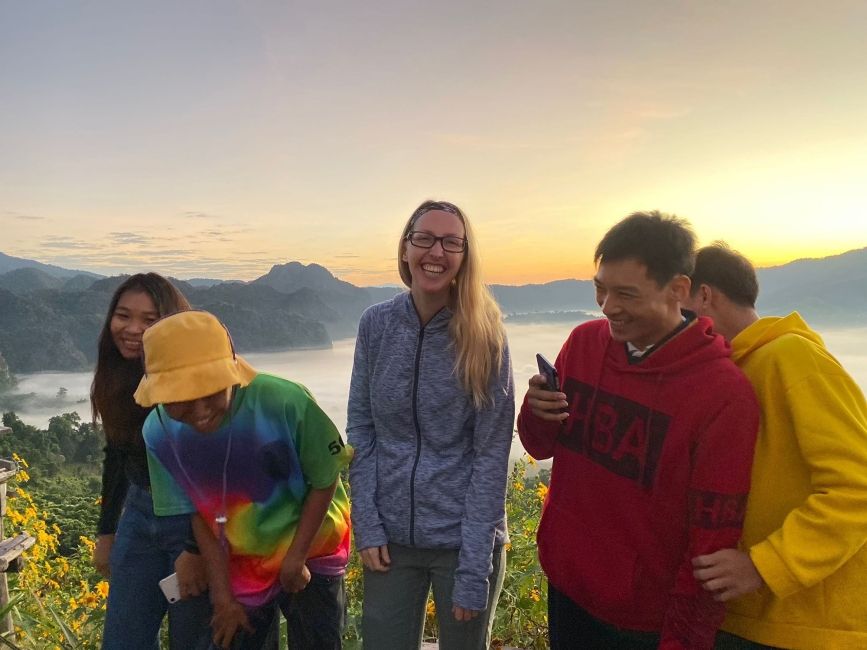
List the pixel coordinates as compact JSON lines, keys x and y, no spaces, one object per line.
{"x":122,"y":465}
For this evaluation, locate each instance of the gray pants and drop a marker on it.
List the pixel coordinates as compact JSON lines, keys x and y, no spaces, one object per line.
{"x":394,"y":601}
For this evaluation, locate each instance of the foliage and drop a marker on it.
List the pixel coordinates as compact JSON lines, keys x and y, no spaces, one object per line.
{"x":67,"y":442}
{"x":58,"y":601}
{"x":70,"y":502}
{"x":522,"y":612}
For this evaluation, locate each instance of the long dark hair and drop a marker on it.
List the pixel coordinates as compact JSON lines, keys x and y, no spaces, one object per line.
{"x":116,"y":378}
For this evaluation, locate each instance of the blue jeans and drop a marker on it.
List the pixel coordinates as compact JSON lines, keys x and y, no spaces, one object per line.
{"x":314,"y":618}
{"x":144,"y":552}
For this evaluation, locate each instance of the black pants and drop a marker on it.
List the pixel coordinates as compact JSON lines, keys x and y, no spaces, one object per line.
{"x":571,"y":628}
{"x":314,"y":617}
{"x":726,"y":641}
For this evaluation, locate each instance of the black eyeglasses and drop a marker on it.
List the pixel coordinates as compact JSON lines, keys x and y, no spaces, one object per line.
{"x":450,"y":243}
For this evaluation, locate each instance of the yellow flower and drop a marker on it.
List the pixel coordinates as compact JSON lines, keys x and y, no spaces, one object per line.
{"x":542,"y":491}
{"x":534,"y":595}
{"x":518,"y":485}
{"x":102,"y":588}
{"x":90,"y":600}
{"x":431,"y":607}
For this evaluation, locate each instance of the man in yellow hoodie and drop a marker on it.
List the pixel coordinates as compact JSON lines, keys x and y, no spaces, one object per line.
{"x":799,"y":579}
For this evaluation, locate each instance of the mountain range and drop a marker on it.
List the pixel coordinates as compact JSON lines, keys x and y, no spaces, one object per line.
{"x":9,"y":263}
{"x":50,"y":317}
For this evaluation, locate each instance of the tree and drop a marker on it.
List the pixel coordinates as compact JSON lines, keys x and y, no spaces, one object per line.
{"x":7,"y":380}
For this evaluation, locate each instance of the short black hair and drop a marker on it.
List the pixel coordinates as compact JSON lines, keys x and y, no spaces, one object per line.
{"x":726,"y":270}
{"x":662,"y":242}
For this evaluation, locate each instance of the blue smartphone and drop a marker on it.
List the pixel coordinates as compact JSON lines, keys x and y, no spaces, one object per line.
{"x":549,"y":372}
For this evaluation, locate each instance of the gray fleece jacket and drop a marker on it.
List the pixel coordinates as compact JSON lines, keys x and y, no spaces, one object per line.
{"x":429,"y":469}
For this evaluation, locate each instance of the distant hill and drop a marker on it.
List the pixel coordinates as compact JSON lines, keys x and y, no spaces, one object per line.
{"x":347,"y":300}
{"x":550,"y":317}
{"x":9,"y":263}
{"x":294,"y":275}
{"x":560,"y":295}
{"x":205,"y":282}
{"x":828,"y":291}
{"x":381,"y":294}
{"x":262,"y":318}
{"x":29,"y":278}
{"x":36,"y":336}
{"x":47,"y":323}
{"x":53,"y":329}
{"x":79,"y":282}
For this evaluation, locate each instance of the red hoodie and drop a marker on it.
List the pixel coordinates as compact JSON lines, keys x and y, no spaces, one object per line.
{"x":651,"y":469}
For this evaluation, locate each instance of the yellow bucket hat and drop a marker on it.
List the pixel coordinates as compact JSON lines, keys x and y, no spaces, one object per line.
{"x":186,"y":356}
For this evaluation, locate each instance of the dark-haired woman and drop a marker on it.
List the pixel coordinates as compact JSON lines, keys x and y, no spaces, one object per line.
{"x":136,"y":549}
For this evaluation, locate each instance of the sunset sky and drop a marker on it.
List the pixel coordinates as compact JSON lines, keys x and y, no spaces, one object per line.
{"x":214,"y":139}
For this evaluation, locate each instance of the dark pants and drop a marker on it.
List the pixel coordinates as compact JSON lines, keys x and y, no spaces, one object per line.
{"x":570,"y":627}
{"x":314,"y":617}
{"x":726,"y":641}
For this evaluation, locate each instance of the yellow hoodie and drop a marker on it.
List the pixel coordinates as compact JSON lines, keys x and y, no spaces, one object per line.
{"x":806,"y":520}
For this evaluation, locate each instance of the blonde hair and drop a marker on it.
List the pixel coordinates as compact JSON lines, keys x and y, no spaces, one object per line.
{"x":476,"y":326}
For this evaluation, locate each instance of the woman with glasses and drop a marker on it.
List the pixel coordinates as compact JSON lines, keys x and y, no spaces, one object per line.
{"x":431,"y":410}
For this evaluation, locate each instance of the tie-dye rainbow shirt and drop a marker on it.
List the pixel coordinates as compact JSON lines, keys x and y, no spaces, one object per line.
{"x":279,"y":444}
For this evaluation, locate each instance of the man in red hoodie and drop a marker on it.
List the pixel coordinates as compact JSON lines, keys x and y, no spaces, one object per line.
{"x":652,"y":438}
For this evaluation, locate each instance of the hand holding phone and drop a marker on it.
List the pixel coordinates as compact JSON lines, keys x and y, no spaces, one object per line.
{"x":539,"y":398}
{"x":549,"y":372}
{"x":171,"y":588}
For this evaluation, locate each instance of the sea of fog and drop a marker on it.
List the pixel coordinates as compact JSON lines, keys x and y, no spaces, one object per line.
{"x":326,"y":372}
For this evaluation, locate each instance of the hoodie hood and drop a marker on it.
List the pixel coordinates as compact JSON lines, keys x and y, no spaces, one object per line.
{"x":768,"y":329}
{"x":694,"y":344}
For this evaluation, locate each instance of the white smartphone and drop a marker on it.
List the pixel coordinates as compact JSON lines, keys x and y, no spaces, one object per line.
{"x":170,"y":588}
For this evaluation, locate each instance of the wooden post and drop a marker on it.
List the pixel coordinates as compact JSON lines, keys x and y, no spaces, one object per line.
{"x":10,"y":549}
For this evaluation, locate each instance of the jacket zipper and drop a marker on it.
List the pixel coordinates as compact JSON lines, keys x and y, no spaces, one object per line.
{"x":417,"y":438}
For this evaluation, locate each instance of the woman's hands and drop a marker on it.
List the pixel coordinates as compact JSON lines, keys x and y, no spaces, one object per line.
{"x":462,"y":614}
{"x":375,"y":558}
{"x":101,"y":554}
